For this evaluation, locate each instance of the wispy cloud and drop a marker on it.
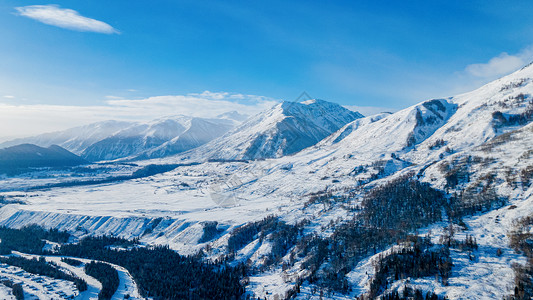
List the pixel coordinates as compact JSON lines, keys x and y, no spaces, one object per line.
{"x":9,"y":96}
{"x":501,"y":64}
{"x":111,"y":97}
{"x":64,"y":18}
{"x":24,"y":120}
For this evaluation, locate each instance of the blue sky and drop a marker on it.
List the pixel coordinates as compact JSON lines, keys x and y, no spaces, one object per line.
{"x":373,"y":54}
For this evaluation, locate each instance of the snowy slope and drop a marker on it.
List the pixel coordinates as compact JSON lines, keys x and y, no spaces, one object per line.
{"x":486,"y":134}
{"x":198,"y":132}
{"x":285,"y":129}
{"x":158,"y":138}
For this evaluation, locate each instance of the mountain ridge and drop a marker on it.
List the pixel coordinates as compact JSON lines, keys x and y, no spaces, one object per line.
{"x":26,"y":156}
{"x":285,"y":129}
{"x":331,"y":218}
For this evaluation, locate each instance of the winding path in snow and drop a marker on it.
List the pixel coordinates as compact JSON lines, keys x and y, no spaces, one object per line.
{"x":127,"y":285}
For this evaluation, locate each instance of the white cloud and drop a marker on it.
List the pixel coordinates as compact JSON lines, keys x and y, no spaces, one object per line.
{"x":501,"y":65}
{"x":206,"y":104}
{"x":64,"y":18}
{"x":111,"y":97}
{"x":9,"y":96}
{"x":24,"y":120}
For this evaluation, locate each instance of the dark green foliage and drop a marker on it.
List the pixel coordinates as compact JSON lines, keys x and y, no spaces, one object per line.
{"x":283,"y":236}
{"x":72,"y":262}
{"x":501,"y":120}
{"x":160,"y":272}
{"x":245,"y":234}
{"x":469,"y":244}
{"x":150,"y":170}
{"x":106,"y":275}
{"x":390,"y":212}
{"x":404,"y":204}
{"x":13,"y":239}
{"x":412,"y":294}
{"x":41,"y":267}
{"x":416,"y":262}
{"x":521,"y":239}
{"x":210,"y":231}
{"x":18,"y":292}
{"x":473,"y":200}
{"x":52,"y":234}
{"x":526,"y":175}
{"x":97,"y":244}
{"x":29,"y":239}
{"x":164,"y":274}
{"x":16,"y":288}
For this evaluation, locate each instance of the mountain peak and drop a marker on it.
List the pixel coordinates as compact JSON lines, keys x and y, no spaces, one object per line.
{"x":314,"y":107}
{"x":286,"y":128}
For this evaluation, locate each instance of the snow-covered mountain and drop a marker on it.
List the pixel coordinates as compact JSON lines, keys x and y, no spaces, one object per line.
{"x":74,"y":139}
{"x":111,"y":140}
{"x":285,"y":129}
{"x":198,"y":132}
{"x":157,"y":138}
{"x":321,"y":222}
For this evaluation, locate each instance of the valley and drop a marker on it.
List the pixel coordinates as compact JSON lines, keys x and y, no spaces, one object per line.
{"x":315,"y":201}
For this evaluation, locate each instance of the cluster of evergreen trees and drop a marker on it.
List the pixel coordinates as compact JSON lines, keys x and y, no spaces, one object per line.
{"x":245,"y":234}
{"x":106,"y":275}
{"x":523,"y":118}
{"x":412,"y":294}
{"x":159,"y":271}
{"x":417,"y":261}
{"x":42,"y":267}
{"x":72,"y":262}
{"x":390,"y":212}
{"x":16,"y":289}
{"x":164,"y":274}
{"x":521,"y":239}
{"x":404,"y":203}
{"x":473,"y":200}
{"x":525,"y":176}
{"x":29,"y":239}
{"x":477,"y":197}
{"x":281,"y":235}
{"x":211,"y":231}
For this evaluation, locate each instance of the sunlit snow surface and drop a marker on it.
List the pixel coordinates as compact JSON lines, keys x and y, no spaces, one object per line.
{"x":234,"y":193}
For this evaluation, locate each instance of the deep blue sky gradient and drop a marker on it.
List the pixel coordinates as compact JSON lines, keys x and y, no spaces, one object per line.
{"x":365,"y":53}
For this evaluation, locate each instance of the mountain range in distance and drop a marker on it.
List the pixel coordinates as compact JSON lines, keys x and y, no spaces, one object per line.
{"x":285,"y":129}
{"x":316,"y":200}
{"x":23,"y":157}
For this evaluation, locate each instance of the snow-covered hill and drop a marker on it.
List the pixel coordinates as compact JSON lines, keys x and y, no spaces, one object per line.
{"x":474,"y":150}
{"x":17,"y":158}
{"x":110,"y":140}
{"x":158,"y":138}
{"x":74,"y":139}
{"x":285,"y":129}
